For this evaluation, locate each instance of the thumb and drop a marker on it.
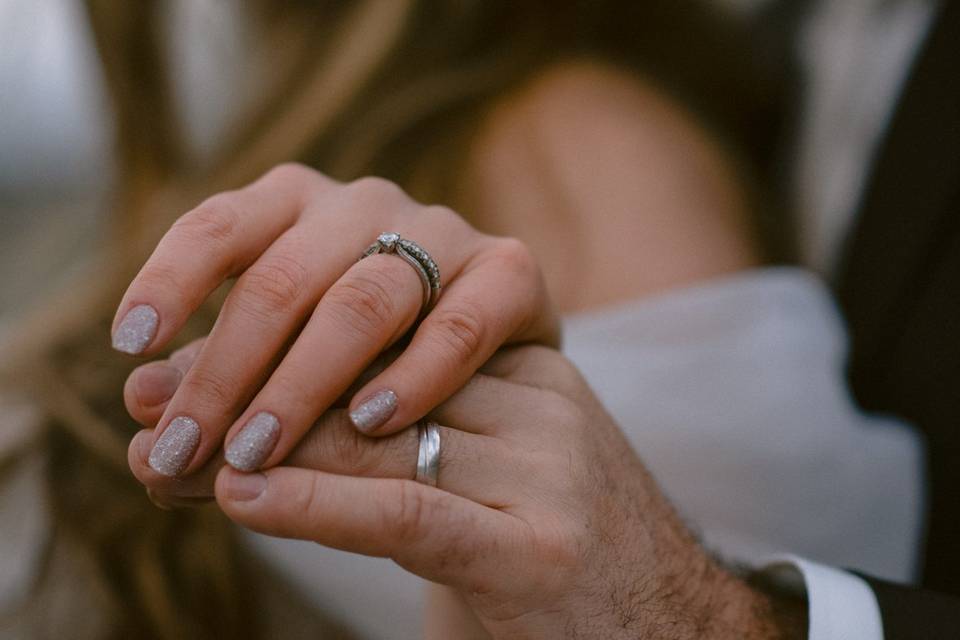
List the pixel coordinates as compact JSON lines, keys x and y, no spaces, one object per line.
{"x":437,"y":535}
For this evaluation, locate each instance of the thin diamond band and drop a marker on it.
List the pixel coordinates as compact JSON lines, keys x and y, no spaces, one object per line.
{"x":416,"y":257}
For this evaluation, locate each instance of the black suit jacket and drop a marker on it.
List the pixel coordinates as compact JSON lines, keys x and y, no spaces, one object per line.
{"x":900,"y":292}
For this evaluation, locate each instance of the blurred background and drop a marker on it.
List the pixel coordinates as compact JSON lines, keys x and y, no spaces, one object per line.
{"x":115,"y":116}
{"x":57,"y":172}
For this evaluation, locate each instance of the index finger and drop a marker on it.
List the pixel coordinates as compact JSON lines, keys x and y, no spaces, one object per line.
{"x":204,"y":247}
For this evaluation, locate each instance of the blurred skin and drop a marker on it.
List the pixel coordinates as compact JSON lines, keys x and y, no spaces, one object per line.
{"x":601,"y":176}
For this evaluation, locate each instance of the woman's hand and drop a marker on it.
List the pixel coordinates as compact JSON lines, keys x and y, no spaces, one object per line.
{"x":544,"y":519}
{"x":147,"y":393}
{"x":305,"y":318}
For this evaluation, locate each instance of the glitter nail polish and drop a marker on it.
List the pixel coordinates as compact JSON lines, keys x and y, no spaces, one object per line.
{"x":137,"y":330}
{"x":254,"y":443}
{"x":374,"y":411}
{"x":175,"y":448}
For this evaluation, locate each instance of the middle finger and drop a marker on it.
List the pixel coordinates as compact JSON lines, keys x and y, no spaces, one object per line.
{"x":476,"y":467}
{"x":473,"y":466}
{"x":370,"y":307}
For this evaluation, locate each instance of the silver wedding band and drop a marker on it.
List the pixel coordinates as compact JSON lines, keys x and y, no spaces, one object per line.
{"x":428,"y":454}
{"x":414,"y":255}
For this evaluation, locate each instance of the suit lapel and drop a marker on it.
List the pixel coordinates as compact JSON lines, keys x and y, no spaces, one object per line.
{"x":905,"y":215}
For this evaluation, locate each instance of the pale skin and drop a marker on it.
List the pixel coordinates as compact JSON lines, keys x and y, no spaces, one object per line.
{"x":638,"y":189}
{"x":292,"y":239}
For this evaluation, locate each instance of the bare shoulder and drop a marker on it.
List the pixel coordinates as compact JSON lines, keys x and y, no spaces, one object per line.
{"x":588,"y":95}
{"x":591,"y":158}
{"x":589,"y":115}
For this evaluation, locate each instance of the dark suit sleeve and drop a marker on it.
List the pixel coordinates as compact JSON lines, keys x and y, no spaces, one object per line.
{"x":915,"y":614}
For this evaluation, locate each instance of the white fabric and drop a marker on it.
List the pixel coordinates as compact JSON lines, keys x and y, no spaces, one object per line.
{"x":842,"y":606}
{"x":856,"y":55}
{"x":733,"y":394}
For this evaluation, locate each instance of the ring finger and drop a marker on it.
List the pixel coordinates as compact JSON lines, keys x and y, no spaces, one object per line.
{"x":473,"y":466}
{"x":371,"y":306}
{"x":268,"y":304}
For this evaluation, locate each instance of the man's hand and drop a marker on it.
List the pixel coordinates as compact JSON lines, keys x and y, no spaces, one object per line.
{"x":544,"y":521}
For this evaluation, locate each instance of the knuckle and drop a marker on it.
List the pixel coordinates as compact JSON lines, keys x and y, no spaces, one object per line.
{"x":293,"y":178}
{"x":274,"y":284}
{"x":160,"y":276}
{"x":364,"y":301}
{"x":375,"y":186}
{"x":553,"y":413}
{"x":399,"y":452}
{"x":412,"y":513}
{"x":306,"y":500}
{"x":565,"y":374}
{"x":210,"y":387}
{"x":460,"y":547}
{"x":565,"y":414}
{"x":512,"y":257}
{"x":355,"y":453}
{"x":453,"y":457}
{"x":215,"y":220}
{"x":515,"y":257}
{"x":552,"y":369}
{"x":442,"y":216}
{"x":539,"y":356}
{"x":559,"y":546}
{"x":287,"y":172}
{"x":372,"y":191}
{"x":460,"y":330}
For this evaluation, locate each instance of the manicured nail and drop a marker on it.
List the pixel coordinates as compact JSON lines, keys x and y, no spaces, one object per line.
{"x":175,"y":447}
{"x":156,"y":383}
{"x":244,"y":486}
{"x":137,"y":330}
{"x":374,"y":411}
{"x":256,"y":440}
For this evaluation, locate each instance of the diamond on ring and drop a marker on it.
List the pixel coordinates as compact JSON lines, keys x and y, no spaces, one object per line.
{"x":416,"y":257}
{"x":388,"y":242}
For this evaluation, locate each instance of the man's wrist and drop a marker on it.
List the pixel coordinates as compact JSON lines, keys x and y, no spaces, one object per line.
{"x":839,"y":604}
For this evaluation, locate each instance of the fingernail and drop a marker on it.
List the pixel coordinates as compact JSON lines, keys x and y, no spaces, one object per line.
{"x":243,"y":487}
{"x":374,"y":411}
{"x":256,"y":440}
{"x":136,"y":330}
{"x":175,"y":447}
{"x":156,"y":383}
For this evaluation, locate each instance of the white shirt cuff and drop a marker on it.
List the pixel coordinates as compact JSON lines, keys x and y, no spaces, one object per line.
{"x":841,"y":605}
